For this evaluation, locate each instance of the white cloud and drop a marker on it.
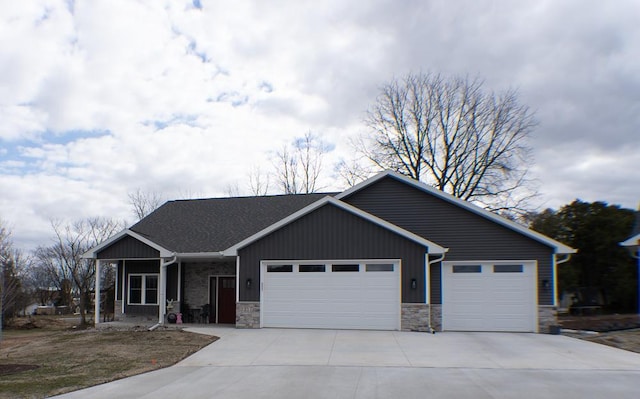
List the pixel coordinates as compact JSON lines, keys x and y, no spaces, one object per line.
{"x":109,"y":95}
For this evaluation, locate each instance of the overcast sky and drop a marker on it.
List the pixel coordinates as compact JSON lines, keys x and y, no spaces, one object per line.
{"x":101,"y":97}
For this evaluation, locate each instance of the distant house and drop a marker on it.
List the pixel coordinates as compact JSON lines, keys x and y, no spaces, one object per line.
{"x":390,"y":253}
{"x":633,"y":242}
{"x":633,"y":246}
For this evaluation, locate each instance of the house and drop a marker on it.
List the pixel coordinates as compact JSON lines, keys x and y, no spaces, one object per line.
{"x":632,"y":244}
{"x":390,"y":253}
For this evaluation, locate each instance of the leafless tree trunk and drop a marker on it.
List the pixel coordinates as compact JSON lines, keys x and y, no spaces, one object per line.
{"x":144,"y":202}
{"x":63,"y":258}
{"x":298,"y":167}
{"x":258,"y":182}
{"x":453,"y":135}
{"x":13,"y":293}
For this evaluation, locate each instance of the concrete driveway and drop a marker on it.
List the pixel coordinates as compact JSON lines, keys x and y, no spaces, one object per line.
{"x":376,"y":364}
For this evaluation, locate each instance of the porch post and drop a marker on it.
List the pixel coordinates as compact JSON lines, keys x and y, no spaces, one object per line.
{"x":163,"y":291}
{"x":96,"y":312}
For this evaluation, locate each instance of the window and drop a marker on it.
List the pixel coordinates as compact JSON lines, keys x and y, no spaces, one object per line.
{"x":312,"y":268}
{"x":143,"y":289}
{"x":507,"y":268}
{"x":279,"y":269}
{"x":345,"y":268}
{"x":467,"y":268}
{"x":382,"y":267}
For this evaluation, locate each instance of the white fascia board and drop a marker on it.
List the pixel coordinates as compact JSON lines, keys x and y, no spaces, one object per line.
{"x":91,"y":254}
{"x":559,"y":247}
{"x":633,"y":241}
{"x":432,"y":247}
{"x":199,"y":255}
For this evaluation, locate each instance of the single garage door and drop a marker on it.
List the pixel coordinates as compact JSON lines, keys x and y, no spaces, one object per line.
{"x":489,"y":296}
{"x":341,"y":295}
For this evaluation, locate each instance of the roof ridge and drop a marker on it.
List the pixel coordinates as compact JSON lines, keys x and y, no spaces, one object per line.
{"x":331,"y":193}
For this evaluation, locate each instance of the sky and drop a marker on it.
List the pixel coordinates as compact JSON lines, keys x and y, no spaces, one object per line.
{"x":185,"y":98}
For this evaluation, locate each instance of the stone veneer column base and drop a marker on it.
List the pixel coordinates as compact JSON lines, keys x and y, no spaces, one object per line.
{"x":415,"y":317}
{"x":248,"y":315}
{"x":547,"y":317}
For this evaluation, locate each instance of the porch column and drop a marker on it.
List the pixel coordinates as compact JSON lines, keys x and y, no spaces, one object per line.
{"x":162,"y":287}
{"x":96,"y":312}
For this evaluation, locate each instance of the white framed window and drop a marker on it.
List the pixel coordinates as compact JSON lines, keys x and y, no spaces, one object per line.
{"x":143,"y":289}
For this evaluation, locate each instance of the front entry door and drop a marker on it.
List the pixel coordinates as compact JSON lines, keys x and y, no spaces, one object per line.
{"x":223,"y":300}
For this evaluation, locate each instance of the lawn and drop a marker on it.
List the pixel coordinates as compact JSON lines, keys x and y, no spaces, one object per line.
{"x":53,"y":359}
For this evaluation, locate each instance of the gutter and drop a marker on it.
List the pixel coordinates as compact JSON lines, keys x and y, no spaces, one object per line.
{"x":429,"y":263}
{"x":162,"y":308}
{"x":557,"y":262}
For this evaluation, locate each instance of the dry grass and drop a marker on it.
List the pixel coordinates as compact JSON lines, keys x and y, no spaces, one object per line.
{"x":627,"y":340}
{"x":68,"y":360}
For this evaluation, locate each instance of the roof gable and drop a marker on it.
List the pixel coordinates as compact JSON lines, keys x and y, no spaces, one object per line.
{"x":432,"y":247}
{"x":557,"y":246}
{"x":121,"y":237}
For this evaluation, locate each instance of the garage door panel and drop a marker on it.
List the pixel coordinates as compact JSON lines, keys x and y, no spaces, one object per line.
{"x":357,"y":300}
{"x":486,"y":300}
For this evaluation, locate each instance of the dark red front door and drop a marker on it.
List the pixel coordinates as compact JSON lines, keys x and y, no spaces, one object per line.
{"x":227,"y":300}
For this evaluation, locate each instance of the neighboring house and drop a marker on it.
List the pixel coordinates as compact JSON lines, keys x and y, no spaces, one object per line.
{"x":390,"y":253}
{"x":632,"y":244}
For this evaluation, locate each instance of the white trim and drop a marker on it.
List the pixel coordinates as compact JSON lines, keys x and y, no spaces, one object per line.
{"x":431,"y":246}
{"x":91,"y":254}
{"x":143,"y":289}
{"x":96,"y":316}
{"x":237,"y":274}
{"x":632,"y":241}
{"x":123,"y":298}
{"x":558,"y":246}
{"x":199,"y":255}
{"x":179,"y":282}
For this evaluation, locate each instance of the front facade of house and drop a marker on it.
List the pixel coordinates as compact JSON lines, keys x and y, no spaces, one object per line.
{"x":388,"y":254}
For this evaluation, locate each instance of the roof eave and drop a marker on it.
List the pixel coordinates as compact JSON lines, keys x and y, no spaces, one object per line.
{"x":431,"y":246}
{"x":92,"y":253}
{"x":558,"y":247}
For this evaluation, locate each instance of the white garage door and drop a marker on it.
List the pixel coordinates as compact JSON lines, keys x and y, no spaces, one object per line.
{"x":341,"y":295}
{"x":489,"y":296}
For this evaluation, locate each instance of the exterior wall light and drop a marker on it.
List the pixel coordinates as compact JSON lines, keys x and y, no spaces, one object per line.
{"x":414,"y":283}
{"x":545,"y":285}
{"x":249,"y":283}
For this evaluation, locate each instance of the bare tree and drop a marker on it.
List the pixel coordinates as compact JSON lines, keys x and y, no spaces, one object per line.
{"x":453,"y":135}
{"x":63,"y":258}
{"x":14,"y":295}
{"x":258,"y":182}
{"x":299,"y":166}
{"x":232,"y":189}
{"x":144,"y":202}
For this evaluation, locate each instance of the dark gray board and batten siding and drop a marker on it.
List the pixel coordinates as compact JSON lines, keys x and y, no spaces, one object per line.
{"x":331,"y":233}
{"x":467,"y":235}
{"x":128,"y":248}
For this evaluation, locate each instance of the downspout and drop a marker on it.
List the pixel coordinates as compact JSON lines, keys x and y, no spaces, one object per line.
{"x":162,"y":285}
{"x":428,"y":277}
{"x":555,"y":275}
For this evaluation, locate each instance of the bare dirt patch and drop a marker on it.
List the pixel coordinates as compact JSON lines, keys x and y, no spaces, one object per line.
{"x":67,"y":360}
{"x":628,"y":340}
{"x":617,"y":330}
{"x":601,"y":323}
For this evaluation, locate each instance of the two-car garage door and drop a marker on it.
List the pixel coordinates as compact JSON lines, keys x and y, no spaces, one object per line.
{"x":489,"y":296}
{"x":341,"y":295}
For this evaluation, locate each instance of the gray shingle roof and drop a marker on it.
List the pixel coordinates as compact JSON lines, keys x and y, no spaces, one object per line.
{"x":211,"y":225}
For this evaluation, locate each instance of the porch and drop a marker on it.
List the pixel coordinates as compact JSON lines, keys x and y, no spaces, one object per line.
{"x":152,"y":291}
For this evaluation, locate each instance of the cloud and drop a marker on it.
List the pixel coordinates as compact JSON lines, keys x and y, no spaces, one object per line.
{"x":99,"y":98}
